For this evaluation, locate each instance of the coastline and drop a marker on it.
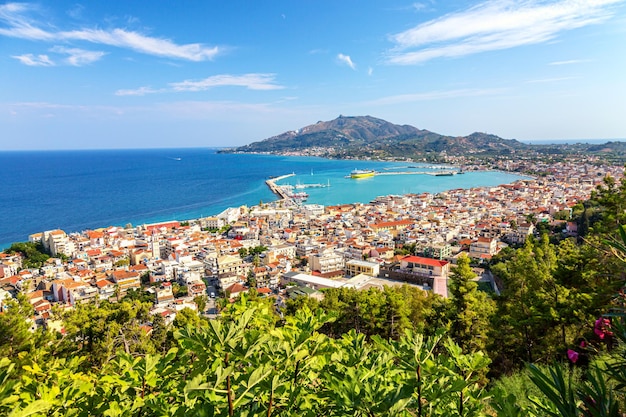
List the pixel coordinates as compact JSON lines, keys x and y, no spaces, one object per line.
{"x":235,"y":191}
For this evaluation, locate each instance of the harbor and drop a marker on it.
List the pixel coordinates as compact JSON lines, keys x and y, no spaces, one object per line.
{"x":279,"y":190}
{"x":317,"y":185}
{"x":433,"y":173}
{"x":294,"y":194}
{"x":441,"y":173}
{"x":286,"y":192}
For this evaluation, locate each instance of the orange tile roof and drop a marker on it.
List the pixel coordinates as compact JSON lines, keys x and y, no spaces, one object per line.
{"x":103,"y":283}
{"x":122,"y":274}
{"x":236,"y":288}
{"x":424,"y":261}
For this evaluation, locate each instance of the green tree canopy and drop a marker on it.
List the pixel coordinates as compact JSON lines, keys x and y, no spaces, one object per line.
{"x":471,"y":309}
{"x":34,"y":253}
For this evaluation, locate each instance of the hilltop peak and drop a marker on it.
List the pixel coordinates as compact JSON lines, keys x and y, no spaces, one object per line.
{"x":367,"y":136}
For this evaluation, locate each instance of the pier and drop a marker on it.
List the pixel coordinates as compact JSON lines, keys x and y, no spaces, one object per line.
{"x":300,"y":186}
{"x":277,"y":189}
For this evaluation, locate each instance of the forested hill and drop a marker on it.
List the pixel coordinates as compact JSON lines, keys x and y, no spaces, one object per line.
{"x":369,"y":136}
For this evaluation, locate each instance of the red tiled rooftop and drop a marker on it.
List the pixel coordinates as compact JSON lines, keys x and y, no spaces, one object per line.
{"x":424,"y":261}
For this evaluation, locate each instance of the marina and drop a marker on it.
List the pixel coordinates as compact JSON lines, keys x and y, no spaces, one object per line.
{"x":280,"y":190}
{"x":446,"y":173}
{"x":300,"y":186}
{"x":286,"y":192}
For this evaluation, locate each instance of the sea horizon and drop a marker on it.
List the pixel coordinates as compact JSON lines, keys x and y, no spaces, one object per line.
{"x":571,"y":141}
{"x":77,"y":190}
{"x":217,"y":147}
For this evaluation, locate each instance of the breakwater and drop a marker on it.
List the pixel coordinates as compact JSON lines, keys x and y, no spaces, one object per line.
{"x":277,"y":189}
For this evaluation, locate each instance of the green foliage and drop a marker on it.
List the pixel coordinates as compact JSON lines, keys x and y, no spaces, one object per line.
{"x":518,"y":395}
{"x":257,"y":250}
{"x":224,"y":229}
{"x":610,"y":200}
{"x":99,"y":332}
{"x":179,"y":290}
{"x":471,"y":309}
{"x":187,"y":317}
{"x":201,"y":302}
{"x":249,"y":367}
{"x":562,"y":215}
{"x":619,"y":247}
{"x":386,"y":313}
{"x":566,"y":397}
{"x":361,"y":353}
{"x":301,"y":302}
{"x":550,"y":294}
{"x":133,"y":294}
{"x":122,"y":262}
{"x":34,"y":254}
{"x":15,"y":322}
{"x":406,"y":249}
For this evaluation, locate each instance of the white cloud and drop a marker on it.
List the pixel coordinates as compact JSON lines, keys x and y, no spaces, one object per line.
{"x":79,"y":57}
{"x":34,"y":60}
{"x":18,"y":25}
{"x":434,"y":95}
{"x":76,"y":11}
{"x":42,"y":105}
{"x":419,"y":6}
{"x":141,"y":91}
{"x":495,"y":25}
{"x":345,"y":59}
{"x":570,"y":62}
{"x":145,"y":44}
{"x":249,"y":81}
{"x":370,"y":71}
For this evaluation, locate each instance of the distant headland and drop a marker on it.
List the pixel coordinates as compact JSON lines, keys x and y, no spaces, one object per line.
{"x":366,"y":137}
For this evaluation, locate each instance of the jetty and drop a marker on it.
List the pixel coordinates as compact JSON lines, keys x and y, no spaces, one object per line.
{"x":280,"y":191}
{"x":318,"y":185}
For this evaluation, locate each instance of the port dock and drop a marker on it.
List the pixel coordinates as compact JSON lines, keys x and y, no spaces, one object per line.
{"x":300,"y":186}
{"x":277,"y":189}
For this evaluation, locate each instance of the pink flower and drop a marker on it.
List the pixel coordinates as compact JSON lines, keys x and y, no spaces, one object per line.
{"x":572,"y":355}
{"x":583,"y":344}
{"x":601,"y":328}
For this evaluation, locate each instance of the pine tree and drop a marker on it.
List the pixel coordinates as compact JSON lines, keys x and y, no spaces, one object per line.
{"x":15,"y":323}
{"x":471,"y":309}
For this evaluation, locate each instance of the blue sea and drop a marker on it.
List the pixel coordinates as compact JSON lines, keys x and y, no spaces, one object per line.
{"x":79,"y":190}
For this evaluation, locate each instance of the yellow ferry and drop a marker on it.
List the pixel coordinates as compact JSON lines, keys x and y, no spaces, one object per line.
{"x":362,"y":173}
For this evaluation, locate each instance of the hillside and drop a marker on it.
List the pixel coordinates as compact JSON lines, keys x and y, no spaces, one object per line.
{"x":366,"y":136}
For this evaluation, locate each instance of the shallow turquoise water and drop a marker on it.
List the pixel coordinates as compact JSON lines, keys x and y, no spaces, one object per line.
{"x":77,"y":190}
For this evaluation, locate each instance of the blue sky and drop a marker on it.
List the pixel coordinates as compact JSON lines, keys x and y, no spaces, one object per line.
{"x":137,"y":74}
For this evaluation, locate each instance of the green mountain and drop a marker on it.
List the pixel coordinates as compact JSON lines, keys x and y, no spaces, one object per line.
{"x":361,"y":136}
